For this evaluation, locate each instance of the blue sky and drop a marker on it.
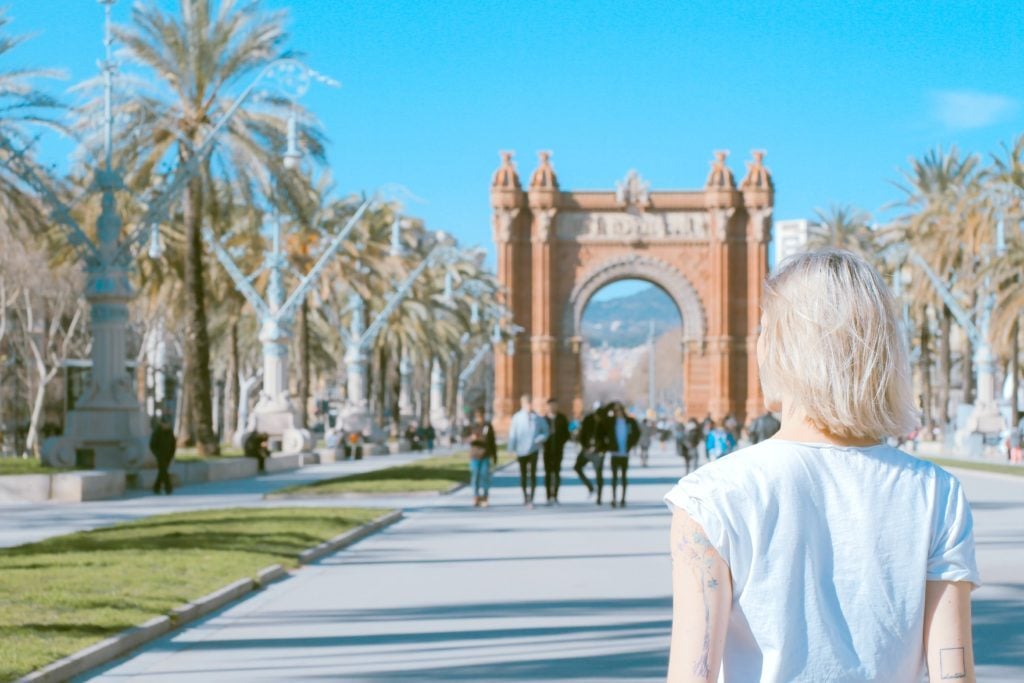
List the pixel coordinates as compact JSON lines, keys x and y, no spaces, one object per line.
{"x":840,"y":94}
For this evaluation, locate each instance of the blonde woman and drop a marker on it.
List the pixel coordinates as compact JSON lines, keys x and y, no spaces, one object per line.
{"x":822,"y":554}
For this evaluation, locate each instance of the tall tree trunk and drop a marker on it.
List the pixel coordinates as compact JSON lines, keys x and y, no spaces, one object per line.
{"x":382,"y":384}
{"x":1015,"y":373}
{"x":945,"y":365}
{"x":303,"y":378}
{"x":232,"y":387}
{"x":968,"y":372}
{"x":197,"y":339}
{"x":395,"y":393}
{"x":926,"y":370}
{"x":185,"y":424}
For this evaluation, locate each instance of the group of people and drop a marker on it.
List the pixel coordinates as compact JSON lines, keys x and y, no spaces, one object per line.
{"x":715,"y":439}
{"x":606,"y":432}
{"x":609,"y":433}
{"x":420,"y":437}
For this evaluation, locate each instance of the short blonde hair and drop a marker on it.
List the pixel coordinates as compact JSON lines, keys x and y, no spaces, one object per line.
{"x":833,"y":345}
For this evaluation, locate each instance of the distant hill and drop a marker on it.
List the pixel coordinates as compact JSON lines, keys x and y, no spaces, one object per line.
{"x":625,"y":322}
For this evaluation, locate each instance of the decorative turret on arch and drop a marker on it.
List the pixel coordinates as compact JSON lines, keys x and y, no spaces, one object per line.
{"x":707,"y":248}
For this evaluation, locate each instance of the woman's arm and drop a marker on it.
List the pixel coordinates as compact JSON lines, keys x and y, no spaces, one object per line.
{"x":948,"y":647}
{"x":701,"y":601}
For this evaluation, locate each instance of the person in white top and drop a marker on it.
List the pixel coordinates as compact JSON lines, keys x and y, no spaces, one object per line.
{"x":822,"y":554}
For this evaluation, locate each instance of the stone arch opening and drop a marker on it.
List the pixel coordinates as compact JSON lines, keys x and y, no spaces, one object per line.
{"x":632,"y":350}
{"x":637,"y":267}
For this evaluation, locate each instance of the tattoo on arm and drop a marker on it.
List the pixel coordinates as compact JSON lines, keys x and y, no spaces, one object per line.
{"x":695,"y":546}
{"x":951,"y":663}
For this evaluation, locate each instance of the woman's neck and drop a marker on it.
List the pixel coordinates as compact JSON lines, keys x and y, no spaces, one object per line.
{"x":796,"y":427}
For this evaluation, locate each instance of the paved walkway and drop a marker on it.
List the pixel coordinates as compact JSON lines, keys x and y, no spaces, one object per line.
{"x":506,"y":594}
{"x":28,"y":522}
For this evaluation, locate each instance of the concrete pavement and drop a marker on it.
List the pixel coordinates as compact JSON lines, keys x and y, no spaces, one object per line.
{"x":507,"y":594}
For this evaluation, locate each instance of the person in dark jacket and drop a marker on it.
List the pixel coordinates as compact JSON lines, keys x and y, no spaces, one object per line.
{"x":162,"y":443}
{"x":255,"y":446}
{"x":554,"y":449}
{"x":592,"y":448}
{"x":624,"y":434}
{"x":763,"y":427}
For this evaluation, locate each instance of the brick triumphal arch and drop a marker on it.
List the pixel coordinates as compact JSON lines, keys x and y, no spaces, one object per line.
{"x":707,"y":249}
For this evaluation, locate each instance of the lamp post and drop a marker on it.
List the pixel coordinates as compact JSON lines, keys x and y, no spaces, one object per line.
{"x":274,"y":413}
{"x":108,"y":418}
{"x":985,"y":418}
{"x":359,"y":339}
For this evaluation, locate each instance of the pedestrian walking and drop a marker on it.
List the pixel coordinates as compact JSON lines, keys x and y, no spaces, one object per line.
{"x":591,"y":444}
{"x":647,"y":430}
{"x":823,"y":554}
{"x":483,"y":454}
{"x":162,"y":443}
{"x":763,"y":427}
{"x":429,"y":436}
{"x":526,"y":436}
{"x":1015,"y":442}
{"x":719,"y":442}
{"x":255,"y":446}
{"x":732,"y":425}
{"x":693,"y":436}
{"x":554,"y":450}
{"x":626,"y":435}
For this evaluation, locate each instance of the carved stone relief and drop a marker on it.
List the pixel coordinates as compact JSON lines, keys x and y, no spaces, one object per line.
{"x":503,"y":219}
{"x":615,"y":226}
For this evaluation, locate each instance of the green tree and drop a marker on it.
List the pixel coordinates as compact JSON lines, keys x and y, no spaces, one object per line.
{"x":844,"y":227}
{"x":24,"y":111}
{"x":196,"y":59}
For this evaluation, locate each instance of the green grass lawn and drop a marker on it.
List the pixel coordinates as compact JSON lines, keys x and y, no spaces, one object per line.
{"x":1015,"y":470}
{"x":25,"y":466}
{"x":63,"y":594}
{"x":436,"y":474}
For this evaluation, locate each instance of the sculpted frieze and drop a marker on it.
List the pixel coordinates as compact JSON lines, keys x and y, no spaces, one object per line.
{"x":616,"y":226}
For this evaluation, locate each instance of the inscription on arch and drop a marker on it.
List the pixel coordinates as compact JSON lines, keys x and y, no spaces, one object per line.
{"x":618,"y":226}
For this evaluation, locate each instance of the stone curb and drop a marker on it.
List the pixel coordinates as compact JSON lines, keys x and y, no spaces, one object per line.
{"x":121,"y":644}
{"x":349,"y":537}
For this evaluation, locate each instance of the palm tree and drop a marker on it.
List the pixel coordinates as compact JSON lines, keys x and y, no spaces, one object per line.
{"x":1007,"y":177}
{"x":196,"y":59}
{"x":942,"y":224}
{"x":24,"y":110}
{"x":844,"y":227}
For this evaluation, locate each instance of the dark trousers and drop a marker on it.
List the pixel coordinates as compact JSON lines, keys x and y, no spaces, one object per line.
{"x":261,"y":456}
{"x":620,"y":463}
{"x":687,"y":453}
{"x":552,"y":473}
{"x":598,"y":461}
{"x":163,"y":477}
{"x":528,"y":475}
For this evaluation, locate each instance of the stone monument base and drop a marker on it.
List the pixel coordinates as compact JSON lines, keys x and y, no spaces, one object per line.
{"x":101,"y":437}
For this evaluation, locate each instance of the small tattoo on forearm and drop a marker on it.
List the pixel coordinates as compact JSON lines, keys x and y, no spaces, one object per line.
{"x":952,"y":664}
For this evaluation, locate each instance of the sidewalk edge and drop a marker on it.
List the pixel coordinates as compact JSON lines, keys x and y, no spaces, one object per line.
{"x":130,"y":639}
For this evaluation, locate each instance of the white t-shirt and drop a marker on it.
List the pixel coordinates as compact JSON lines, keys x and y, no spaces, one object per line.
{"x":829,"y":549}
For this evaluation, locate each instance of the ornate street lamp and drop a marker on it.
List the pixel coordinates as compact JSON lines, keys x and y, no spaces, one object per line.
{"x":108,"y":419}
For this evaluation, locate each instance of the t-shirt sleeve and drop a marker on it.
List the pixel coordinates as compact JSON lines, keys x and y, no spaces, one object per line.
{"x":695,"y":495}
{"x":952,"y":552}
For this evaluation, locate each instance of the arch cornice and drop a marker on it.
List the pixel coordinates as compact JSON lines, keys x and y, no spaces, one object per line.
{"x":637,"y":266}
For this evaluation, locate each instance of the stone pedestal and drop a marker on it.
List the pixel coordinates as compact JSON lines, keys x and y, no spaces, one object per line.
{"x":438,"y":414}
{"x":107,"y":427}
